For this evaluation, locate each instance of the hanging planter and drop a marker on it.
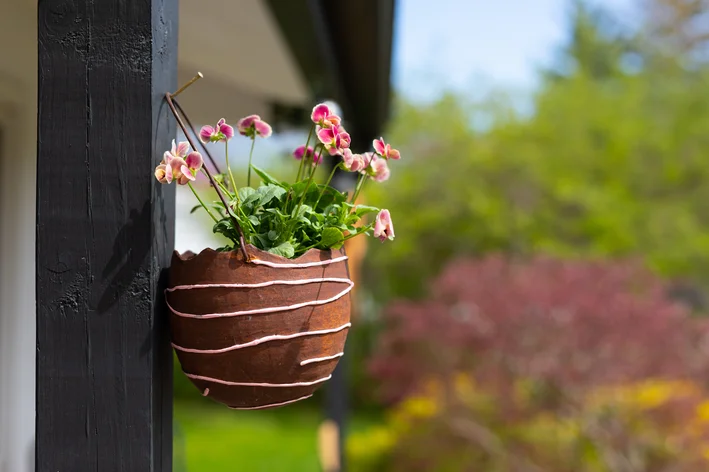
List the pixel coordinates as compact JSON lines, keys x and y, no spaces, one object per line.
{"x":262,"y":333}
{"x":262,"y":322}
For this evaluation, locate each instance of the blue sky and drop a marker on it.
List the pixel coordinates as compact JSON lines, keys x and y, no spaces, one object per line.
{"x":472,"y":45}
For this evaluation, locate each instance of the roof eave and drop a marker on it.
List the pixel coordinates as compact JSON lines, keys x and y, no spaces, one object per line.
{"x":350,"y":64}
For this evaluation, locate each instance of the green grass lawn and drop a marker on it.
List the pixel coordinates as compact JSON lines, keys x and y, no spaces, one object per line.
{"x":212,"y":438}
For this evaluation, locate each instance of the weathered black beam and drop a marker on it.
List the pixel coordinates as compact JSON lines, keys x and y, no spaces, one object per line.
{"x":361,"y":34}
{"x":104,"y":234}
{"x":344,"y":51}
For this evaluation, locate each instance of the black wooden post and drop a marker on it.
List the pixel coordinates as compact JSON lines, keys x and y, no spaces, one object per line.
{"x":104,"y":234}
{"x":337,"y":389}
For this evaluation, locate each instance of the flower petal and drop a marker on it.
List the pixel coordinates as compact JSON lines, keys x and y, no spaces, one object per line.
{"x":205,"y":134}
{"x":383,"y":226}
{"x":160,"y":174}
{"x":168,"y":174}
{"x":333,"y":120}
{"x":182,"y":149}
{"x":379,"y":146}
{"x":194,"y":161}
{"x":326,"y":135}
{"x":299,"y":152}
{"x":244,"y":124}
{"x":320,"y":113}
{"x":394,"y":154}
{"x":380,"y":170}
{"x":187,"y":173}
{"x":345,"y":138}
{"x":226,"y":130}
{"x":262,"y":128}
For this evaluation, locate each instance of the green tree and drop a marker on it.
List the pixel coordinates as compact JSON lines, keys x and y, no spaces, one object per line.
{"x":611,"y":163}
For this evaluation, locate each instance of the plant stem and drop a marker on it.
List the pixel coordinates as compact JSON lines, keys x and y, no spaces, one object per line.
{"x":332,"y":174}
{"x":202,"y":203}
{"x":228,"y":168}
{"x":310,"y":180}
{"x":305,"y":153}
{"x":364,"y":230}
{"x":358,"y":188}
{"x":238,"y":205}
{"x":251,"y":153}
{"x":221,"y":185}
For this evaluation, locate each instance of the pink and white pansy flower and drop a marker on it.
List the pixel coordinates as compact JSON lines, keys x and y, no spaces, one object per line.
{"x":179,"y":165}
{"x":212,"y":134}
{"x":383,"y":226}
{"x":379,"y":169}
{"x":335,"y":139}
{"x":324,"y":117}
{"x":301,"y":152}
{"x":353,"y":162}
{"x":385,"y":150}
{"x":253,"y":126}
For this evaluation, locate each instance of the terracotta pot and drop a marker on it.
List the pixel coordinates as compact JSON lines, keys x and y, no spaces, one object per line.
{"x":260,"y":334}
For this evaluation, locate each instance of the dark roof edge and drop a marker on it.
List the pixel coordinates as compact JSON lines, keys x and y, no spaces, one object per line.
{"x":351,"y":63}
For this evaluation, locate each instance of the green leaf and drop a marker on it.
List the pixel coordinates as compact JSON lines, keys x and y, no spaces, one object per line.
{"x":331,"y":237}
{"x":330,"y":196}
{"x":361,"y":210}
{"x":268,"y":179}
{"x":302,"y":211}
{"x":215,"y":206}
{"x":278,"y":213}
{"x":284,"y":249}
{"x":254,"y":221}
{"x":245,"y":192}
{"x":269,"y":192}
{"x":273,"y":235}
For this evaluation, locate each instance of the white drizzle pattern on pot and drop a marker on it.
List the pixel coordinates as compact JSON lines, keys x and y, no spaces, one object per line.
{"x":257,"y":311}
{"x":301,"y":265}
{"x":270,"y":405}
{"x":258,"y":384}
{"x":265,"y":339}
{"x":322,"y":359}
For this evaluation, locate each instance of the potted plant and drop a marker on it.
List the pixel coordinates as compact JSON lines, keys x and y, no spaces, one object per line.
{"x":262,"y":322}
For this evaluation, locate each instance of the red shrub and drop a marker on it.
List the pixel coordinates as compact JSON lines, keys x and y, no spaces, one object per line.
{"x":569,"y":324}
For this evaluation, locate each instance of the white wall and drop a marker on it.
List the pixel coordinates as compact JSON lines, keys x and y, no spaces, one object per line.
{"x":18,"y":110}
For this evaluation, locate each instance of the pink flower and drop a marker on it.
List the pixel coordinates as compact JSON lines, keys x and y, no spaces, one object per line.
{"x":300,"y":152}
{"x":161,"y":173}
{"x":379,"y":169}
{"x":383,"y":226}
{"x":334,"y":138}
{"x":323,"y":116}
{"x":179,"y":150}
{"x":367,"y":157}
{"x":253,"y":126}
{"x":331,"y":139}
{"x":353,"y":162}
{"x":345,"y":137}
{"x":177,"y":165}
{"x":221,"y":132}
{"x":385,"y":150}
